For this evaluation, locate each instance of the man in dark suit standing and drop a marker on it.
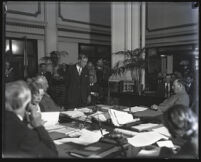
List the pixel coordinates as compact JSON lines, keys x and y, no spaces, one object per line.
{"x":77,"y":84}
{"x":19,"y":139}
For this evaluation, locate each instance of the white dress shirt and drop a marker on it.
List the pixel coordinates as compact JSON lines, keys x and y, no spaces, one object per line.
{"x":79,"y":69}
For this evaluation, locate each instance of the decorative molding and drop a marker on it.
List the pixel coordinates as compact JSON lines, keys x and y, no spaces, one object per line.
{"x":25,"y":25}
{"x":84,"y":39}
{"x":78,"y":22}
{"x":84,"y":32}
{"x":165,"y":28}
{"x":27,"y":13}
{"x":18,"y":32}
{"x":178,"y":42}
{"x":169,"y":36}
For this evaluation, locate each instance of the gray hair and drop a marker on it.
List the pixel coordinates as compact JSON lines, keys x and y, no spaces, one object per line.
{"x":16,"y":95}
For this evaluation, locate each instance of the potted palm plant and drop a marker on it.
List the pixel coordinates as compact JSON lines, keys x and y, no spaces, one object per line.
{"x":133,"y":62}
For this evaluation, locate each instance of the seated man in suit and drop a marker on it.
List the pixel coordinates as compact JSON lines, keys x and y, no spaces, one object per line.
{"x":180,"y":97}
{"x":46,"y":104}
{"x":19,"y":140}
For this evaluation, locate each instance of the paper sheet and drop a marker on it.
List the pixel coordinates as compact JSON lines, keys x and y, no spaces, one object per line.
{"x":87,"y":137}
{"x":162,"y":130}
{"x":145,"y":126}
{"x":125,"y":132}
{"x":119,"y":117}
{"x":167,"y":143}
{"x":135,"y":109}
{"x":65,"y":130}
{"x":50,"y":118}
{"x":57,"y":126}
{"x":145,"y":139}
{"x":100,"y":116}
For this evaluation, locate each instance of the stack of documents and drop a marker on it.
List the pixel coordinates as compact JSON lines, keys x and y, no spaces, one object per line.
{"x":64,"y":132}
{"x":100,"y":116}
{"x":119,"y":117}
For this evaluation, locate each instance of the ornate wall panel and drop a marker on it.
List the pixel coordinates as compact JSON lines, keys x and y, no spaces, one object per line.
{"x":26,"y":10}
{"x":171,"y":22}
{"x":89,"y":24}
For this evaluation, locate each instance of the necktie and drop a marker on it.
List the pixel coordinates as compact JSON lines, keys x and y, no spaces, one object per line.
{"x":80,"y":70}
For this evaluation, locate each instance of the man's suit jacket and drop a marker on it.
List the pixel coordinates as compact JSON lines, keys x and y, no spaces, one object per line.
{"x":21,"y":141}
{"x":77,"y":87}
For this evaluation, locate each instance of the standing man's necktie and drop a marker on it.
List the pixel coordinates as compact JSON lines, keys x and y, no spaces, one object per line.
{"x":80,"y":70}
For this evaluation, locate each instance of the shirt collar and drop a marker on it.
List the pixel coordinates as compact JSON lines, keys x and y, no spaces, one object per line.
{"x":20,"y":117}
{"x":78,"y":66}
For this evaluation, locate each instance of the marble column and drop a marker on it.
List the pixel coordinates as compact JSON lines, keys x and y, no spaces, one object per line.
{"x":51,"y":27}
{"x":128,"y":31}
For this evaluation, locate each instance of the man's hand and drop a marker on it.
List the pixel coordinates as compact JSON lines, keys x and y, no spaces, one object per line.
{"x":35,"y":118}
{"x":154,"y":107}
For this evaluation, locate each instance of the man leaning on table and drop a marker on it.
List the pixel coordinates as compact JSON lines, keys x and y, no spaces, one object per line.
{"x":19,"y":140}
{"x":180,"y":97}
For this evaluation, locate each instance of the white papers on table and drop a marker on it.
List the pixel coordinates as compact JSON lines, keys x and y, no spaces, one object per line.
{"x":162,"y":130}
{"x":50,"y":118}
{"x":145,"y":139}
{"x":167,"y":143}
{"x":100,"y":116}
{"x":54,"y":127}
{"x":135,"y":109}
{"x":145,"y":126}
{"x":73,"y":114}
{"x":119,"y":117}
{"x":66,"y":130}
{"x":86,"y":137}
{"x":85,"y":110}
